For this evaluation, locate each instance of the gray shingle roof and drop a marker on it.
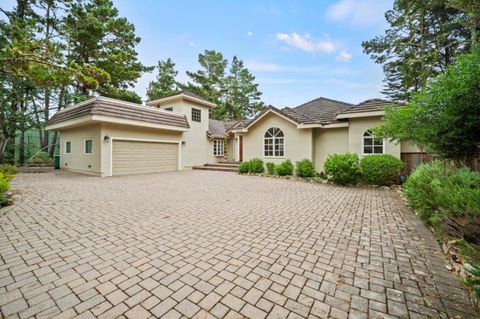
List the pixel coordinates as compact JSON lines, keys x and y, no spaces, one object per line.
{"x":119,"y":109}
{"x":372,"y":105}
{"x":321,"y":110}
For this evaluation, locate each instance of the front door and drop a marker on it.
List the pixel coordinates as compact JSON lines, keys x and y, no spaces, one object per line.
{"x":240,"y":140}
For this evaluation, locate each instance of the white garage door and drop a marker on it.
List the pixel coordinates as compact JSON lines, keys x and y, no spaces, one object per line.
{"x":132,"y":157}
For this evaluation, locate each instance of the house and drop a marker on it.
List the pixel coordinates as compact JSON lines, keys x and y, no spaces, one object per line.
{"x":106,"y":137}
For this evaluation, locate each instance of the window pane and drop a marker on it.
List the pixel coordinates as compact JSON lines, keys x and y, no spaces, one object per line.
{"x":68,"y":147}
{"x":367,"y":150}
{"x":367,"y":141}
{"x":196,"y":115}
{"x":378,"y":141}
{"x":88,"y":146}
{"x":378,"y":149}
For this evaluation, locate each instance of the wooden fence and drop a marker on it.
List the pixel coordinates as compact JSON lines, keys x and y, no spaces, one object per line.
{"x":412,"y":160}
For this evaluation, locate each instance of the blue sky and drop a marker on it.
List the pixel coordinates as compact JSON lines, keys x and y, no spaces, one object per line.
{"x":298,"y":50}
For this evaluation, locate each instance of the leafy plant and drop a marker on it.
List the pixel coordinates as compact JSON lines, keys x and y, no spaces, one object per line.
{"x":474,"y":280}
{"x":285,"y":168}
{"x":8,"y":171}
{"x":270,"y":168}
{"x":5,"y":200}
{"x":380,"y":169}
{"x":305,"y":168}
{"x":252,"y":166}
{"x":4,"y":186}
{"x":342,"y":168}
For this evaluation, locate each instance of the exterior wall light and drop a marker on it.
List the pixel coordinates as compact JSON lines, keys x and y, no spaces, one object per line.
{"x":106,"y":138}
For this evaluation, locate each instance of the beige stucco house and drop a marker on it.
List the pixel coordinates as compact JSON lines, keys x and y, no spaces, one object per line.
{"x":106,"y":137}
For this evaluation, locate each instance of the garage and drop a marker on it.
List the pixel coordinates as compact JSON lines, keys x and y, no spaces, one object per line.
{"x":138,"y":157}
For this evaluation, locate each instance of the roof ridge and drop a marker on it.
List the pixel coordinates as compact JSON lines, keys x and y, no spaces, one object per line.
{"x":323,"y":98}
{"x":296,"y":112}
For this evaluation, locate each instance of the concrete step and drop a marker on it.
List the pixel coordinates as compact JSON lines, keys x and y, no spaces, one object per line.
{"x":222,"y":165}
{"x":230,"y":162}
{"x":215,"y":168}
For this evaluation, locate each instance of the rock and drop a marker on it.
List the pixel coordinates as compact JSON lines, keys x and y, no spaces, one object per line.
{"x":449,"y":267}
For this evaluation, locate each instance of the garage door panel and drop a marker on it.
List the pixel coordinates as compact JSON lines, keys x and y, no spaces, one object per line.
{"x":132,"y":157}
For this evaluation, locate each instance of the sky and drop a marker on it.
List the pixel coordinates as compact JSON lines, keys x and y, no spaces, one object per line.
{"x":297,"y":50}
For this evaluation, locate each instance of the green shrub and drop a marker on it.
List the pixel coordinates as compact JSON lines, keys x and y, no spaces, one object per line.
{"x":285,"y":168}
{"x":474,"y":280}
{"x":305,"y":168}
{"x":8,"y":171}
{"x":5,"y":200}
{"x":342,"y":168}
{"x":3,"y":184}
{"x":41,"y":158}
{"x":270,"y":168}
{"x":244,"y":167}
{"x":252,"y":166}
{"x":380,"y":169}
{"x":437,"y":191}
{"x":256,"y":166}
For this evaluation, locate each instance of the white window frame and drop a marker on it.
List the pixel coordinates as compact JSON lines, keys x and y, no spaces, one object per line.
{"x":218,"y":150}
{"x":66,"y":147}
{"x":274,"y":138}
{"x":85,"y":146}
{"x":372,"y":136}
{"x":199,"y":114}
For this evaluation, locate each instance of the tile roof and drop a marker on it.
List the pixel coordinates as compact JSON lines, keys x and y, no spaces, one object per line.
{"x":321,"y":110}
{"x":119,"y":109}
{"x":182,"y":92}
{"x":372,"y":105}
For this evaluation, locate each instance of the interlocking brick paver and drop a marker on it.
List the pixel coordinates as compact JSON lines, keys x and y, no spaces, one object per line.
{"x":209,"y":244}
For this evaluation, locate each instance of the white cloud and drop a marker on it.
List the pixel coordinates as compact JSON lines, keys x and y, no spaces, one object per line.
{"x":249,"y":33}
{"x":272,"y":67}
{"x":344,"y":56}
{"x":359,"y":12}
{"x":192,"y":44}
{"x":306,"y":43}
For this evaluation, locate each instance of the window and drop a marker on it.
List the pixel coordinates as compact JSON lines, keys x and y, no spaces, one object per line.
{"x":372,"y":144}
{"x":196,"y":115}
{"x":218,"y":147}
{"x":88,"y":146}
{"x":273,"y":145}
{"x":169,"y":109}
{"x":68,"y":147}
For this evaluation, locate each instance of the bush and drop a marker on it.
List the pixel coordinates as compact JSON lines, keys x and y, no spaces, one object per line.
{"x":285,"y":168}
{"x":270,"y":168}
{"x":3,"y":184}
{"x":252,"y":166}
{"x":256,"y":166}
{"x":380,"y":169}
{"x":305,"y":168}
{"x":244,"y":167}
{"x":437,"y":192}
{"x":342,"y":168}
{"x":8,"y":171}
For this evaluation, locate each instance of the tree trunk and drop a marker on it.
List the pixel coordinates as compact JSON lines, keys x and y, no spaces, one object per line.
{"x":21,"y":147}
{"x":46,"y":114}
{"x":3,"y":146}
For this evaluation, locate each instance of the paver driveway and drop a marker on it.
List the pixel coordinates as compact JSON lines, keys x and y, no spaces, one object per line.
{"x":216,"y":244}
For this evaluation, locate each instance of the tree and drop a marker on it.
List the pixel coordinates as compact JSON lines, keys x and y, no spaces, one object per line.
{"x":165,"y":83}
{"x":97,"y":36}
{"x":208,"y":82}
{"x":421,"y":42}
{"x":445,"y":116}
{"x":242,"y":97}
{"x":235,"y":93}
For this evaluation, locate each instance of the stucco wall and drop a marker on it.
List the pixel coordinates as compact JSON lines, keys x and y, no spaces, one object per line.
{"x":298,"y":142}
{"x":329,"y":141}
{"x":77,"y":160}
{"x":408,"y":147}
{"x":196,"y":148}
{"x":357,"y":127}
{"x":131,"y":132}
{"x":229,"y":149}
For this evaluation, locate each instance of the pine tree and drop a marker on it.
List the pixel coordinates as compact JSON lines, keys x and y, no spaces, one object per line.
{"x":165,"y":84}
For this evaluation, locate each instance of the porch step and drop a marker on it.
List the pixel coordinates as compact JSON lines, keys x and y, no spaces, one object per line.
{"x":222,"y":166}
{"x":230,"y":162}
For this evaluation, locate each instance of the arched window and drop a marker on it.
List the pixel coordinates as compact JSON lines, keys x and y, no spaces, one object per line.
{"x":273,"y":145}
{"x":372,"y":144}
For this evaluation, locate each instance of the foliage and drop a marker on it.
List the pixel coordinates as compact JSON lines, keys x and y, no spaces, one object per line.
{"x":254,"y":165}
{"x":270,"y":168}
{"x":233,"y":90}
{"x":305,"y":168}
{"x":285,"y":168}
{"x":3,"y":184}
{"x":474,"y":281}
{"x":422,"y":39}
{"x":342,"y":168}
{"x":5,"y":200}
{"x":380,"y":169}
{"x":165,"y":84}
{"x":451,"y":107}
{"x":41,"y":158}
{"x":438,"y":191}
{"x":8,"y":171}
